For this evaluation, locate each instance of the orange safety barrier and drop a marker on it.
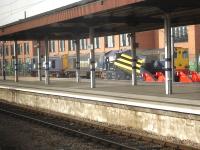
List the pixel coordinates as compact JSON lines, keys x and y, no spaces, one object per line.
{"x":148,"y":77}
{"x":184,"y":78}
{"x":195,"y":76}
{"x":160,"y":76}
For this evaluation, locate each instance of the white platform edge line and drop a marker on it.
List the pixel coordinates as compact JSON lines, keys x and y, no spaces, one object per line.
{"x":171,"y":100}
{"x":109,"y":100}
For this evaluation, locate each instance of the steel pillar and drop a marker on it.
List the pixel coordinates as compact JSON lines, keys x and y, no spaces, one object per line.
{"x":172,"y":55}
{"x":77,"y":60}
{"x":3,"y":62}
{"x":39,"y":62}
{"x":16,"y":61}
{"x":134,"y":57}
{"x":168,"y":67}
{"x":46,"y":62}
{"x":92,"y":58}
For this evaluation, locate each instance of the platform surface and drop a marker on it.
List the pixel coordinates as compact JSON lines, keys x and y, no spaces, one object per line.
{"x":189,"y":91}
{"x":185,"y":98}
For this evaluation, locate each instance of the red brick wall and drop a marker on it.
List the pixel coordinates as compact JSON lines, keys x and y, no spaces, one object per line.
{"x":147,"y":40}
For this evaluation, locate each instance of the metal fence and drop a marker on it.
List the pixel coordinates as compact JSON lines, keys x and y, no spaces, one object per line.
{"x":194,"y":63}
{"x":22,"y":68}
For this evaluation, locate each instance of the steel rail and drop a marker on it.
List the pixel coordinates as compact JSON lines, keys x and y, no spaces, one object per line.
{"x":121,"y":146}
{"x":162,"y":143}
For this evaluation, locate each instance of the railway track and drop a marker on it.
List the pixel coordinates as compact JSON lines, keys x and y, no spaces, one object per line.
{"x":105,"y":135}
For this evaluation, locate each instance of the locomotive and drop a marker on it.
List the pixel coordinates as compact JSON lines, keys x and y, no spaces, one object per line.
{"x":114,"y":64}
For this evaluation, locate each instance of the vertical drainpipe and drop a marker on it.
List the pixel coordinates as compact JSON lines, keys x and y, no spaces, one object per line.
{"x":3,"y":62}
{"x":16,"y":61}
{"x":46,"y":62}
{"x":39,"y":61}
{"x":197,"y":60}
{"x":168,"y":68}
{"x":77,"y":60}
{"x":92,"y":58}
{"x":134,"y":58}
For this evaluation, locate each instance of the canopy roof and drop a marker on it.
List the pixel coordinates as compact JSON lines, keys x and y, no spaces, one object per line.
{"x":105,"y":16}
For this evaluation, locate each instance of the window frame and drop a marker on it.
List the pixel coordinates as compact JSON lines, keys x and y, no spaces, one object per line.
{"x":96,"y":43}
{"x":110,"y":41}
{"x":180,"y":34}
{"x":62,"y":45}
{"x":71,"y":45}
{"x":52,"y":46}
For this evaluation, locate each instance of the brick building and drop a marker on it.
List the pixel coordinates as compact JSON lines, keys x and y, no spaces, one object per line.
{"x":186,"y":37}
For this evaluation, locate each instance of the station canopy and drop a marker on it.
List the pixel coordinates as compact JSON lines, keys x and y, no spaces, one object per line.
{"x":106,"y":17}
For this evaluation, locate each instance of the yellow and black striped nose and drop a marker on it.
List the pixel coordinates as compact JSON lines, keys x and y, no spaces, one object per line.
{"x":125,"y":62}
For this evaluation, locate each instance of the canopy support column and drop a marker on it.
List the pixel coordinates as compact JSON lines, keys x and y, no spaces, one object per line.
{"x":47,"y":80}
{"x":16,"y":61}
{"x":134,"y":58}
{"x":172,"y":55}
{"x":77,"y":60}
{"x":39,"y":62}
{"x":168,"y":67}
{"x":92,"y":58}
{"x":3,"y":62}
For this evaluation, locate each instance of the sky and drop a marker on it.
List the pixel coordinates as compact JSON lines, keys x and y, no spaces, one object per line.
{"x":13,"y":10}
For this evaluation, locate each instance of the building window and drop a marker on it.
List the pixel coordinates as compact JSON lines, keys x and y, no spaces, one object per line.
{"x":72,"y":45}
{"x":26,"y":48}
{"x":27,"y":60}
{"x":124,"y":40}
{"x":180,"y":34}
{"x":62,"y":45}
{"x":6,"y":51}
{"x":12,"y":50}
{"x":52,"y":46}
{"x":96,"y":42}
{"x":83,"y":44}
{"x":109,"y":41}
{"x":19,"y":49}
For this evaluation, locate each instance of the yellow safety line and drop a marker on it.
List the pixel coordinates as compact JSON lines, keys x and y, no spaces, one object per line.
{"x":129,"y":57}
{"x":125,"y":67}
{"x":126,"y":56}
{"x":124,"y":61}
{"x":128,"y":62}
{"x":140,"y":61}
{"x":137,"y":65}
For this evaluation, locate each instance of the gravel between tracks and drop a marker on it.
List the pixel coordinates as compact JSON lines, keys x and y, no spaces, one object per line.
{"x":16,"y":134}
{"x":147,"y":134}
{"x":151,"y":135}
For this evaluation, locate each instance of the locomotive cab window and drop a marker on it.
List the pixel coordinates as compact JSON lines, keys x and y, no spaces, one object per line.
{"x":53,"y":64}
{"x":185,"y":54}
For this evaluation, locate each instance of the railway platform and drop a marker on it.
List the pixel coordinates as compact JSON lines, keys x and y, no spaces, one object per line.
{"x":116,"y":103}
